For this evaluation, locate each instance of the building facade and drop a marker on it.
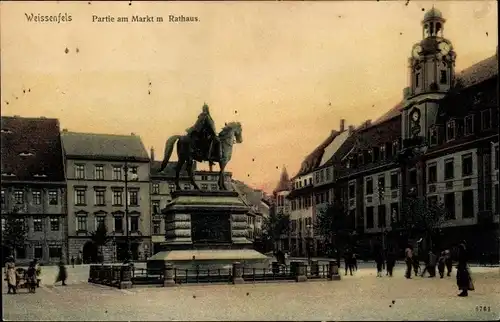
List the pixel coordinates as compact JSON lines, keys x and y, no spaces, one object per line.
{"x":161,"y":186}
{"x":107,"y":182}
{"x":33,"y":187}
{"x":282,"y":205}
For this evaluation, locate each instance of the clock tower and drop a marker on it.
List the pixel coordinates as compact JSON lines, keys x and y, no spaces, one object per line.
{"x":432,"y":70}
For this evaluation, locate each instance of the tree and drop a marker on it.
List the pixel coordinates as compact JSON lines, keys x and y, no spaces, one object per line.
{"x":421,"y":218}
{"x":100,"y":238}
{"x":274,"y":226}
{"x":14,"y":233}
{"x":333,"y":224}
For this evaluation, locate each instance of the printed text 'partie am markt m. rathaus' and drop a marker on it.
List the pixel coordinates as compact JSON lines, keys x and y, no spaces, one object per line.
{"x":144,"y":18}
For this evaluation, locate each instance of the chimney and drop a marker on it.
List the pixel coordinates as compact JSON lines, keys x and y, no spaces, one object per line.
{"x":368,"y":122}
{"x":65,"y":130}
{"x":342,"y":125}
{"x":351,"y":128}
{"x":152,"y":154}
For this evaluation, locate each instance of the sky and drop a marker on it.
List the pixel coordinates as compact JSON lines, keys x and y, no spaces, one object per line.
{"x":288,"y":71}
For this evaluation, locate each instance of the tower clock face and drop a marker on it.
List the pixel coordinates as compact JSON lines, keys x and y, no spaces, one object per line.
{"x":415,"y":115}
{"x":444,"y":47}
{"x":416,"y":51}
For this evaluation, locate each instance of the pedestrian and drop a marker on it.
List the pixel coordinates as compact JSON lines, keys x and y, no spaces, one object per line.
{"x":416,"y":258}
{"x":464,"y":280}
{"x":73,"y":261}
{"x":448,"y":262}
{"x":408,"y":260}
{"x":31,"y":278}
{"x":348,"y":261}
{"x":11,"y":275}
{"x":379,"y":260}
{"x":62,"y":276}
{"x":391,"y":262}
{"x":354,"y":261}
{"x":431,"y":264}
{"x":441,"y":264}
{"x":38,"y":272}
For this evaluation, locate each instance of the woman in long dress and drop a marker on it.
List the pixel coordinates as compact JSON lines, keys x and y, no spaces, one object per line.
{"x":464,"y":280}
{"x":11,"y":276}
{"x":62,"y":276}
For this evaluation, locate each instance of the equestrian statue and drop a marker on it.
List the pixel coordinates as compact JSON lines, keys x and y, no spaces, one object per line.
{"x":202,"y":143}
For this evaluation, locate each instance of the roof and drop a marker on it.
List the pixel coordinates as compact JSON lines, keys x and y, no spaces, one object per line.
{"x":284,"y":184}
{"x":333,"y":147}
{"x":103,"y":146}
{"x":169,"y":171}
{"x":479,"y":72}
{"x":251,"y":197}
{"x":37,"y":136}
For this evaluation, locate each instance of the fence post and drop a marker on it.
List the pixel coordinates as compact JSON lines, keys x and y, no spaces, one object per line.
{"x":168,"y":275}
{"x":91,"y":274}
{"x":238,"y":273}
{"x":333,"y":271}
{"x":126,"y":276}
{"x":301,"y":272}
{"x":314,"y":268}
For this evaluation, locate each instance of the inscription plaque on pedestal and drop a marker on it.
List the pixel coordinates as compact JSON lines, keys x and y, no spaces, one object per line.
{"x":210,"y":228}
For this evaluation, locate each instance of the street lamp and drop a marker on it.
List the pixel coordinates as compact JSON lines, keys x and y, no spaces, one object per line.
{"x":127,"y":228}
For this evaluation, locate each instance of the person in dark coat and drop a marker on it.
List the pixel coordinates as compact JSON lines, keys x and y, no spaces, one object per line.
{"x":354,"y":261}
{"x":391,"y":262}
{"x":63,"y":275}
{"x":464,"y":280}
{"x":31,"y":278}
{"x":348,"y":261}
{"x":379,"y":260}
{"x":408,"y":260}
{"x":448,"y":262}
{"x":441,"y":264}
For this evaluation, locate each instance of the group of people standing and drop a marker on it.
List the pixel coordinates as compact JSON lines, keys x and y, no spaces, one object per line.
{"x":350,"y":261}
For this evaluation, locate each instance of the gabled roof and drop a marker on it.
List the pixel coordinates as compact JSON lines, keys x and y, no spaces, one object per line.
{"x":250,"y":196}
{"x":284,"y":184}
{"x":105,"y":146}
{"x":479,"y":72}
{"x":31,"y":150}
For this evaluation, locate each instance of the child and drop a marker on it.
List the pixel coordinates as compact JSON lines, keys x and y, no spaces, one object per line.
{"x":441,"y":264}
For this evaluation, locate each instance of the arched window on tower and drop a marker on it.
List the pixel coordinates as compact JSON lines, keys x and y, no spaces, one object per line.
{"x":431,"y":29}
{"x":439,"y":28}
{"x":426,"y":30}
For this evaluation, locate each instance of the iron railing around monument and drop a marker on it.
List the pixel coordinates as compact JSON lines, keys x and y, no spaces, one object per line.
{"x":144,"y":276}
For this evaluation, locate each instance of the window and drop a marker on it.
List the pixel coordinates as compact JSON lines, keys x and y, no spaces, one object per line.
{"x":443,"y":79}
{"x":118,"y":223}
{"x":214,"y":186}
{"x":376,"y":154}
{"x":322,"y":175}
{"x":53,"y":197}
{"x":328,"y":174}
{"x":38,"y":252}
{"x":316,"y":177}
{"x":99,"y":172}
{"x":382,"y":152}
{"x":133,"y":198}
{"x":369,"y":186}
{"x":449,"y":169}
{"x":394,"y":180}
{"x":19,"y":197}
{"x":352,"y":190}
{"x":132,"y":175}
{"x":37,"y":224}
{"x":432,"y":173}
{"x":55,"y":252}
{"x":79,"y":171}
{"x":469,"y":125}
{"x":467,"y":165}
{"x":496,"y":157}
{"x":54,"y":224}
{"x":81,"y":223}
{"x":171,"y":187}
{"x":413,"y":177}
{"x":485,"y":119}
{"x":117,"y":197}
{"x":134,"y":223}
{"x":155,"y":188}
{"x":381,"y":216}
{"x":417,"y":80}
{"x":497,"y":199}
{"x":467,"y":204}
{"x":204,"y":186}
{"x":80,"y":197}
{"x":395,"y":148}
{"x":394,"y":212}
{"x":204,"y":178}
{"x":432,"y":201}
{"x":117,"y":173}
{"x":21,"y":252}
{"x":381,"y":185}
{"x":449,"y":204}
{"x":310,"y":181}
{"x":369,"y":217}
{"x":156,"y":206}
{"x":3,"y":197}
{"x":156,"y":227}
{"x":450,"y":130}
{"x":99,"y":220}
{"x":433,"y":136}
{"x":100,"y":197}
{"x":37,"y":197}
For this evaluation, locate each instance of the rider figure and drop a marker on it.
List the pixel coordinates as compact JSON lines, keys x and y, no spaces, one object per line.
{"x":205,"y":121}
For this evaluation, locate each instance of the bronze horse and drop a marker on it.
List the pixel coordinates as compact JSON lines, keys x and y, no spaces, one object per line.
{"x":187,"y":152}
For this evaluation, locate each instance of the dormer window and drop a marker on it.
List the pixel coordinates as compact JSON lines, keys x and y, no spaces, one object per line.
{"x":433,"y":136}
{"x":395,"y":147}
{"x":450,"y":130}
{"x":443,"y":79}
{"x":360,"y":159}
{"x":382,"y":152}
{"x":486,"y":119}
{"x":376,"y":154}
{"x":26,"y":154}
{"x":369,"y":156}
{"x":469,"y":125}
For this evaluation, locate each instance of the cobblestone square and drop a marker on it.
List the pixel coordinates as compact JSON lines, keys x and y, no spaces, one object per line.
{"x":360,"y":297}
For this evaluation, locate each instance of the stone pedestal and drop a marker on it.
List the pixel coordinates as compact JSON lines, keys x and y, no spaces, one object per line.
{"x":301,"y":272}
{"x":333,"y":271}
{"x":314,"y":268}
{"x":126,"y":276}
{"x":168,"y":275}
{"x":238,"y":273}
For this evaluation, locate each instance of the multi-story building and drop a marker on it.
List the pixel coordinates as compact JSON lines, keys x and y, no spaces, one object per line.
{"x":310,"y":190}
{"x":440,"y":142}
{"x":108,"y":182}
{"x":282,"y":205}
{"x":162,"y":184}
{"x":34,"y":187}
